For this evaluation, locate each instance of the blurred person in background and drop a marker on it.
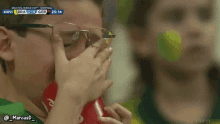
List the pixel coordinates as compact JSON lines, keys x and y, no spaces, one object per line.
{"x":185,"y":91}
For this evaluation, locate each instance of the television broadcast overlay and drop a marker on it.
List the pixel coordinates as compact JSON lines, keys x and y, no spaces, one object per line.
{"x":12,"y":118}
{"x":32,"y":10}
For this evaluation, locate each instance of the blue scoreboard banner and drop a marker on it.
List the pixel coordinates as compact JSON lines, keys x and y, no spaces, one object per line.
{"x":32,"y":10}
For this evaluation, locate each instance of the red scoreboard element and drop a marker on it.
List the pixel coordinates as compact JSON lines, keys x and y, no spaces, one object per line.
{"x":48,"y":11}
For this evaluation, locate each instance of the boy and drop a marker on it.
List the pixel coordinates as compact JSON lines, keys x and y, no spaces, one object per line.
{"x":32,"y":58}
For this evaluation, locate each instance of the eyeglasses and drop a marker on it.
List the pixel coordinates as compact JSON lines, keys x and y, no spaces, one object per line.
{"x":72,"y":34}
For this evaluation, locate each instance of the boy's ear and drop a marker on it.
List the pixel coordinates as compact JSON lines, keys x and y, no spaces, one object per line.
{"x":140,"y":41}
{"x":5,"y":44}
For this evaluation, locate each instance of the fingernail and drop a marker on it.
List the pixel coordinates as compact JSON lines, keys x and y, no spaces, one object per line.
{"x":56,"y":37}
{"x":110,"y":48}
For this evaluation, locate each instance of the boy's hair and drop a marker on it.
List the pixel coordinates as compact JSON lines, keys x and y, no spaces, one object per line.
{"x":9,"y":19}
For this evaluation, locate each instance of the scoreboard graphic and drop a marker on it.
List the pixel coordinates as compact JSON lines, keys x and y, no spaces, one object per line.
{"x":32,"y":10}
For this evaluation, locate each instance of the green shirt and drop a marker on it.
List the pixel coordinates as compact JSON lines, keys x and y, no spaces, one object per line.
{"x":144,"y":110}
{"x":17,"y":109}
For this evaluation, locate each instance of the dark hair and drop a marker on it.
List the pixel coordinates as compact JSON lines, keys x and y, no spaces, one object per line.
{"x":138,"y":15}
{"x":139,"y":18}
{"x":9,"y":19}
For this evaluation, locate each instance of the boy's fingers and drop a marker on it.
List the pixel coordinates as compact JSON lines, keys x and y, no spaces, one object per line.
{"x":107,"y":84}
{"x":108,"y":120}
{"x":106,"y":65}
{"x":125,"y":115}
{"x":112,"y":113}
{"x":102,"y":56}
{"x":59,"y":51}
{"x":91,"y":51}
{"x":100,"y":43}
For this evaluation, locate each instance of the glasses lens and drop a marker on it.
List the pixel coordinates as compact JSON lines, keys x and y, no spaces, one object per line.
{"x":68,"y":32}
{"x":100,"y":37}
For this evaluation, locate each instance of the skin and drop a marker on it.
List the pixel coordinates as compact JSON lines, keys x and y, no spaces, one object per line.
{"x":31,"y":61}
{"x":40,"y":73}
{"x":184,"y":83}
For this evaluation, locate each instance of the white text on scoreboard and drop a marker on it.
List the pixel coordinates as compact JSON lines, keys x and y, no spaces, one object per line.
{"x":20,"y":12}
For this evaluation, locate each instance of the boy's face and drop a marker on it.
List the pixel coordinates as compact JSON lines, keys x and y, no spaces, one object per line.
{"x":33,"y":59}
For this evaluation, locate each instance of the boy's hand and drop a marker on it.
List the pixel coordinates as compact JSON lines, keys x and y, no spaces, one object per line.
{"x":84,"y":77}
{"x":118,"y":115}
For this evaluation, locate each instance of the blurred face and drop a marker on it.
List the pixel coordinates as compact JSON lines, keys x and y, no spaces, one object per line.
{"x":194,"y":21}
{"x":33,"y":56}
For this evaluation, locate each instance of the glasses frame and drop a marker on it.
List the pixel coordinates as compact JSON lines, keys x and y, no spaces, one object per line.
{"x":52,"y":26}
